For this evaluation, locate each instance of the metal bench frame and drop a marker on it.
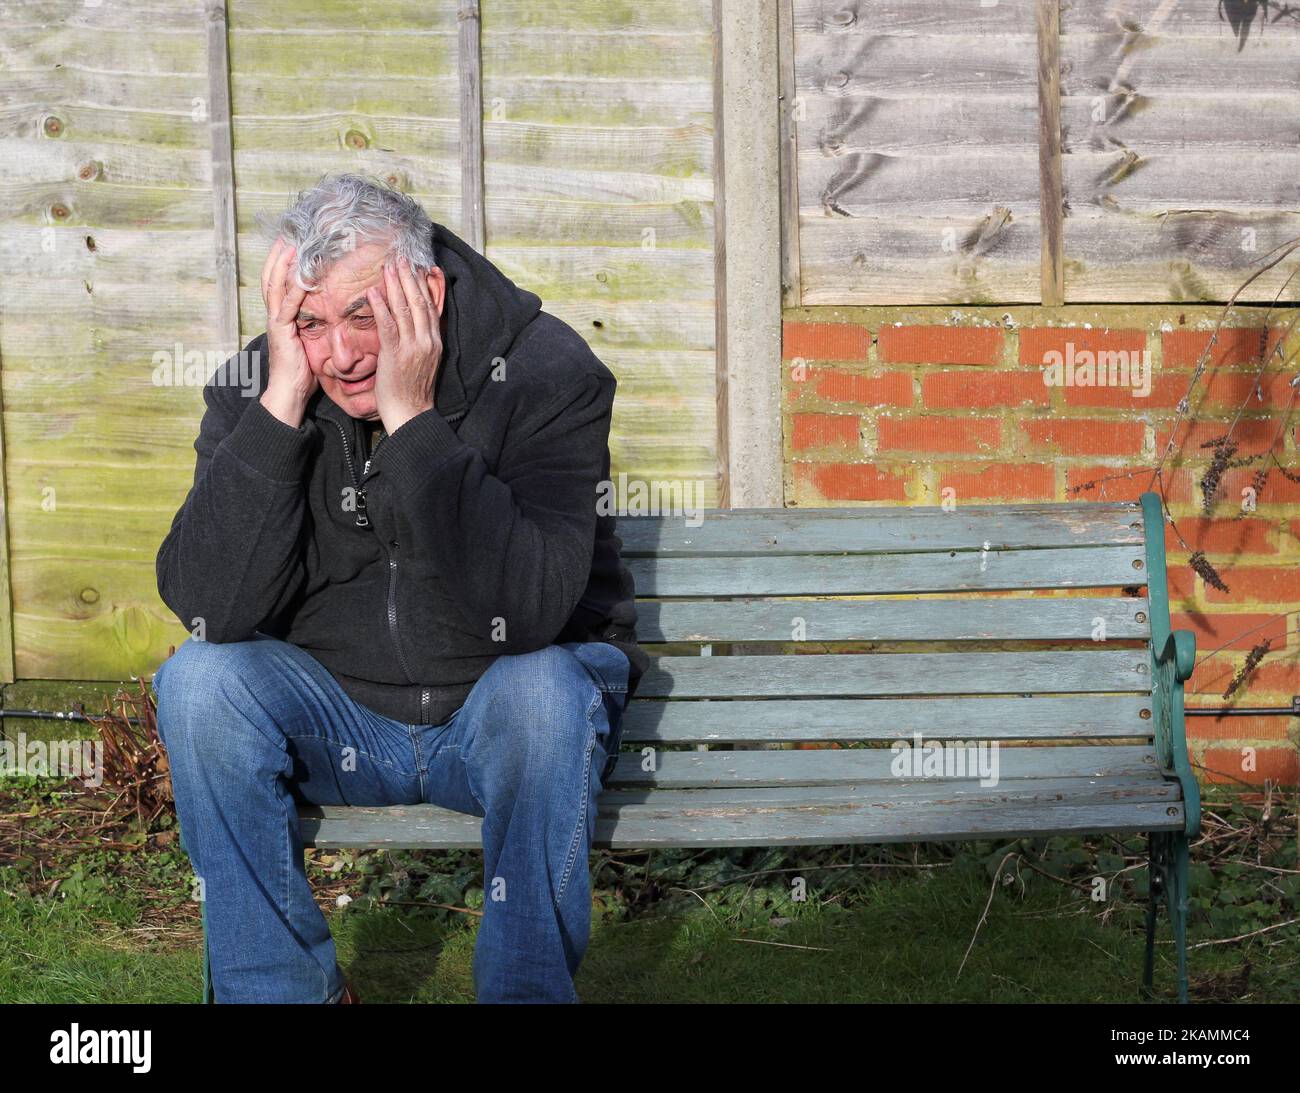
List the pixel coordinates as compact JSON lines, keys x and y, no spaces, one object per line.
{"x":725,"y":789}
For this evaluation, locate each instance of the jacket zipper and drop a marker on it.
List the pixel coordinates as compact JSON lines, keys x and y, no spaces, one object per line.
{"x":364,"y":521}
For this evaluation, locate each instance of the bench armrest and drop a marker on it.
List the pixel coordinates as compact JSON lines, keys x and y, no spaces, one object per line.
{"x":1173,"y":657}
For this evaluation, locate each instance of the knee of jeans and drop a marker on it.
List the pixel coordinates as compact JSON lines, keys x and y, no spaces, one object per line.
{"x":194,"y":693}
{"x":529,"y":689}
{"x":546,"y":675}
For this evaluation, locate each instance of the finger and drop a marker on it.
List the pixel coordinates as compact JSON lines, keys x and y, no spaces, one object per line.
{"x":422,"y":280}
{"x":398,"y":305}
{"x":411,"y":289}
{"x":279,"y":280}
{"x":435,"y":327}
{"x":388,"y":332}
{"x":267,"y":267}
{"x":289,"y":305}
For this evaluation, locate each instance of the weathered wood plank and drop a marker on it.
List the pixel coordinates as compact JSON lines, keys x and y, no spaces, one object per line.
{"x":1165,"y":63}
{"x":835,"y":575}
{"x":957,"y":18}
{"x":941,"y":64}
{"x":344,"y":17}
{"x":1092,"y":763}
{"x":887,"y":530}
{"x":790,"y":103}
{"x":6,"y":595}
{"x":898,"y":124}
{"x":767,"y":721}
{"x":949,"y":619}
{"x":470,"y":74}
{"x":163,"y":16}
{"x":1175,"y":255}
{"x":223,"y":177}
{"x":846,"y":674}
{"x":895,"y":794}
{"x":1131,"y":180}
{"x":958,"y":182}
{"x":981,"y":255}
{"x":1051,"y":200}
{"x":425,"y":826}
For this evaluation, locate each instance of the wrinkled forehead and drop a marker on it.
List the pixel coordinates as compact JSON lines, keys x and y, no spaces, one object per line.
{"x":342,"y":285}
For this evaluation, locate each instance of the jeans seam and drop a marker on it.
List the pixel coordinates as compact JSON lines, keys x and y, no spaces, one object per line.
{"x":469,"y":781}
{"x":369,"y":755}
{"x":291,"y":815}
{"x":420,"y":768}
{"x":583,"y":800}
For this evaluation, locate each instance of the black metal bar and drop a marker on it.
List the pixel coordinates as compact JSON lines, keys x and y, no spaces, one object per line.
{"x":1292,"y":710}
{"x":52,"y":715}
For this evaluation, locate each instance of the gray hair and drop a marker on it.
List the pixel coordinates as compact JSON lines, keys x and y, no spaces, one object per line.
{"x":344,"y":211}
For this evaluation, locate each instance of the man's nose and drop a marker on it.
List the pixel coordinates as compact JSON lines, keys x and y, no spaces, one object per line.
{"x":344,"y":352}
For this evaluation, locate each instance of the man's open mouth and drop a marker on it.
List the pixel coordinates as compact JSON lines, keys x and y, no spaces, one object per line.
{"x":352,"y":387}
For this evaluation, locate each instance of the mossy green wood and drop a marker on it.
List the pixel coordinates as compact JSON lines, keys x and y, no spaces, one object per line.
{"x":1173,"y":656}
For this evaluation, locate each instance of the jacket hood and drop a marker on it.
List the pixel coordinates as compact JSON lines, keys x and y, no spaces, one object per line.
{"x":484,"y":312}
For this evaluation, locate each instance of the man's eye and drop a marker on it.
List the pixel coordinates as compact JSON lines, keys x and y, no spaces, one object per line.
{"x":363,"y":320}
{"x":310,"y":324}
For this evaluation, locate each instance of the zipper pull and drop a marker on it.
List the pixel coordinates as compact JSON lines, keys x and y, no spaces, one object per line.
{"x":363,"y":521}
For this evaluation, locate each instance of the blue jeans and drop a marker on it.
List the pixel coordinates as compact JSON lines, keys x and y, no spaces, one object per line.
{"x":254,"y":727}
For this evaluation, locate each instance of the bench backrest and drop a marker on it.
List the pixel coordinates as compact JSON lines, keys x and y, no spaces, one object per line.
{"x":1025,"y":622}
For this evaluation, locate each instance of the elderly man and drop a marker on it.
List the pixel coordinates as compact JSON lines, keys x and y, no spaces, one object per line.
{"x":399,"y":590}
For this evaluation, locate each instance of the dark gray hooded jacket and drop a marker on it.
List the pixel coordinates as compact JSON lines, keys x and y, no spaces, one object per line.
{"x":473,"y":533}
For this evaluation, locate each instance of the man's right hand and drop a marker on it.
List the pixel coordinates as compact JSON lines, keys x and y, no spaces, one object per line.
{"x":291,"y":382}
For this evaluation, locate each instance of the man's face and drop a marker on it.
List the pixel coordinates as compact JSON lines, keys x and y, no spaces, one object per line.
{"x":336,"y":325}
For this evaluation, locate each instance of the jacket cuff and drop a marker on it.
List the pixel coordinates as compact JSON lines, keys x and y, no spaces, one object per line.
{"x":271,"y":447}
{"x":412,"y":453}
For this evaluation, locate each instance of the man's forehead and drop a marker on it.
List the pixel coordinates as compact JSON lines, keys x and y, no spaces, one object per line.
{"x":355,"y":305}
{"x":346,"y":282}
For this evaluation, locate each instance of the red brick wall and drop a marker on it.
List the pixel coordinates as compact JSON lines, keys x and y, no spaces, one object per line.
{"x":896,"y":405}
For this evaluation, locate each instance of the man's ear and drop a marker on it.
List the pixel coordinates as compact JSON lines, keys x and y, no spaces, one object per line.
{"x":437,"y":282}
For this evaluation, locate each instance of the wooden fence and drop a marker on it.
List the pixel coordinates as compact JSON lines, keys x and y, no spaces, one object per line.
{"x":140,"y":139}
{"x":1002,"y":151}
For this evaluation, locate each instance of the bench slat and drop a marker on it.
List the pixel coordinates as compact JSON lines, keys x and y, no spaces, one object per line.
{"x":845,"y":674}
{"x":969,"y":570}
{"x":898,"y":794}
{"x":429,"y":827}
{"x":951,"y":619}
{"x":831,"y":766}
{"x":773,"y":720}
{"x":832,"y":531}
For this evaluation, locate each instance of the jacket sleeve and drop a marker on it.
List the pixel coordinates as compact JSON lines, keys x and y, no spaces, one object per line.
{"x":234,"y":553}
{"x":513,"y":548}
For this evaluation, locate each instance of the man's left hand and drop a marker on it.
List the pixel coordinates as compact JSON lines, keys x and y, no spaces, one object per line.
{"x":410,"y":340}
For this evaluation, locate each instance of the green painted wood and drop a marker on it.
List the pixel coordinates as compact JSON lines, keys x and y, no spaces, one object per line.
{"x":846,"y":674}
{"x":734,"y":770}
{"x":849,"y":575}
{"x":772,"y":720}
{"x":1093,"y":707}
{"x":426,"y":826}
{"x":949,"y":619}
{"x":1173,"y":656}
{"x":876,"y":530}
{"x":916,"y":794}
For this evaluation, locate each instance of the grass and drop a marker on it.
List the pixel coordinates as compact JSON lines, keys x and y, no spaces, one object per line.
{"x":880,"y":924}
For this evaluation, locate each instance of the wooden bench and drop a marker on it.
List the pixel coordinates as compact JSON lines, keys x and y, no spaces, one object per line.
{"x":1081,"y":690}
